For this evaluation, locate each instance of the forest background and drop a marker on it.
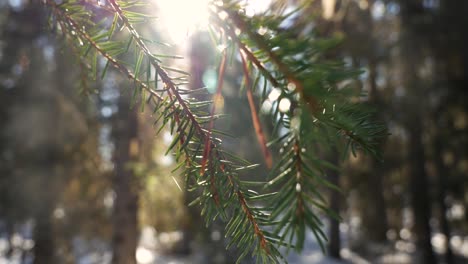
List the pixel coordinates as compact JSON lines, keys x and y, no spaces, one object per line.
{"x":65,"y":192}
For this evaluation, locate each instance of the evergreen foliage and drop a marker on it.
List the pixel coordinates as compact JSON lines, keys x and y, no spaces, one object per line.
{"x":312,"y":108}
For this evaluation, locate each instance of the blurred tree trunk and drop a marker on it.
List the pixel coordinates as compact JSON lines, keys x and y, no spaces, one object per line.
{"x":24,"y":26}
{"x":375,"y":216}
{"x":360,"y":43}
{"x":414,"y":34}
{"x":419,"y":188}
{"x":8,"y":51}
{"x":441,"y":194}
{"x":45,"y":167}
{"x":452,"y":56}
{"x":334,"y":244}
{"x":43,"y":232}
{"x":125,"y":216}
{"x":449,"y":48}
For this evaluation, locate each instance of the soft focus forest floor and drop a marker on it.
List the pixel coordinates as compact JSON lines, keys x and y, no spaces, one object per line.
{"x":154,"y":247}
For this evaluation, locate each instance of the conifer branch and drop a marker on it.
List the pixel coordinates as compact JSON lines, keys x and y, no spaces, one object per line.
{"x":214,"y":171}
{"x":241,"y":211}
{"x":119,"y":66}
{"x":240,"y":23}
{"x":255,"y":119}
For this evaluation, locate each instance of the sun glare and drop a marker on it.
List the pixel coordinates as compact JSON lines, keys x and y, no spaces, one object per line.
{"x":183,"y":17}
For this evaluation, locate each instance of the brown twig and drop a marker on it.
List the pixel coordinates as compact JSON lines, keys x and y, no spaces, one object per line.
{"x":222,"y":70}
{"x":259,"y":40}
{"x":255,"y":119}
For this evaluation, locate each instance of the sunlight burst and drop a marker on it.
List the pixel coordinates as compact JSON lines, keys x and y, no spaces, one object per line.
{"x":183,"y":17}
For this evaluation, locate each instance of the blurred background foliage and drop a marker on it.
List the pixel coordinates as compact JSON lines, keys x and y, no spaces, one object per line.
{"x":62,"y":199}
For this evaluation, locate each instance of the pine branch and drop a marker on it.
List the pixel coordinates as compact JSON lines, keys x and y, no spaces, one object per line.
{"x":235,"y":184}
{"x":309,"y":84}
{"x":119,"y":66}
{"x":240,"y":23}
{"x":224,"y":186}
{"x":328,"y":107}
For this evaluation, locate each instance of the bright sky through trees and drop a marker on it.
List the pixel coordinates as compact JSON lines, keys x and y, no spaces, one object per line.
{"x":183,"y":17}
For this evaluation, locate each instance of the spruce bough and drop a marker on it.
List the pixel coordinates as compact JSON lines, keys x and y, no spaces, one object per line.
{"x":312,"y":107}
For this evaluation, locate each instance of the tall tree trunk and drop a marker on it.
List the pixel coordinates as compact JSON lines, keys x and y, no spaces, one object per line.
{"x":334,"y":244}
{"x":414,"y":37}
{"x":43,"y":235}
{"x":125,"y":237}
{"x":419,"y":187}
{"x":375,"y":217}
{"x":199,"y":60}
{"x":441,"y":194}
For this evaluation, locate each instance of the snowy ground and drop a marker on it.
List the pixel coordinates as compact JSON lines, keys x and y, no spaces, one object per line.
{"x":310,"y":255}
{"x":98,"y":252}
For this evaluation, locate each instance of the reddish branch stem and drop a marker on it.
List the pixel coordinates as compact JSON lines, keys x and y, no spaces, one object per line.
{"x":259,"y":40}
{"x":222,"y":70}
{"x":255,"y":119}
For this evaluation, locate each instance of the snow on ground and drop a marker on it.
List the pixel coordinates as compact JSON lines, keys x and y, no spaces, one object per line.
{"x":152,"y":244}
{"x":313,"y":254}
